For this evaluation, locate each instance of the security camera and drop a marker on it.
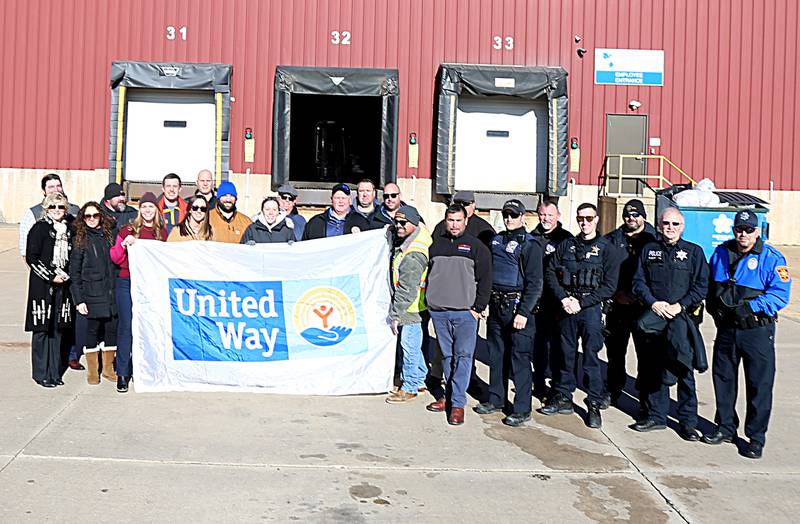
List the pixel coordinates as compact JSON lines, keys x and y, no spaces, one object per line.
{"x":634,"y":105}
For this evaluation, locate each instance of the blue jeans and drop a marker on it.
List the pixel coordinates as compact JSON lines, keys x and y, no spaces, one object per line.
{"x":124,"y":332}
{"x":457,"y":332}
{"x":414,"y":367}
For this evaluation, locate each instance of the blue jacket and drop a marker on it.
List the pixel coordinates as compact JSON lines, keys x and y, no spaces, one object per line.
{"x":761,"y":279}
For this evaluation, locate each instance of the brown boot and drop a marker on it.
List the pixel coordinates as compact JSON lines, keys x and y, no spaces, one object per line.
{"x":92,"y":366}
{"x":109,"y":354}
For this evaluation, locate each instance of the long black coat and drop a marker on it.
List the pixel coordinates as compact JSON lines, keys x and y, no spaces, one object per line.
{"x":91,"y":274}
{"x":49,"y":305}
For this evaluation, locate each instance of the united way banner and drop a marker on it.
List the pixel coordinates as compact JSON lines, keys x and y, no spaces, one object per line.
{"x":306,"y":318}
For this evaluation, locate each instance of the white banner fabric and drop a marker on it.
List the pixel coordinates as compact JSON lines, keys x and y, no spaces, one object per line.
{"x":306,"y":318}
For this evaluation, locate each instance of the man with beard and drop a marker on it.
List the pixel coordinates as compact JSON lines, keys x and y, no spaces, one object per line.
{"x":365,"y":206}
{"x":335,"y":221}
{"x":550,"y":233}
{"x":581,"y":275}
{"x":384,"y":213}
{"x":227,"y":223}
{"x":625,"y":309}
{"x":172,"y":207}
{"x":205,"y":187}
{"x":115,"y":206}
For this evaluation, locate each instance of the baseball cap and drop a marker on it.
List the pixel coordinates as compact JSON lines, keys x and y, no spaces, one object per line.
{"x":514,"y":205}
{"x":464,"y":196}
{"x":287,"y":189}
{"x":745,"y":218}
{"x":410,"y":213}
{"x":344,"y":188}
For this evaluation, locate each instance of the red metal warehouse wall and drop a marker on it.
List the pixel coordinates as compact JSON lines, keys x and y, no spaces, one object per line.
{"x":727,"y":110}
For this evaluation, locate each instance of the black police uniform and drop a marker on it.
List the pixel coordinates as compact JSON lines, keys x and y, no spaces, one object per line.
{"x":625,"y":308}
{"x":517,"y":282}
{"x":586,"y":270}
{"x":747,"y":291}
{"x":676,"y":274}
{"x":546,"y":339}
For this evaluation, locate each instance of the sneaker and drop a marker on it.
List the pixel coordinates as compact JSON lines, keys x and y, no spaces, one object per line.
{"x":484,"y":408}
{"x":400,"y":397}
{"x":557,"y":404}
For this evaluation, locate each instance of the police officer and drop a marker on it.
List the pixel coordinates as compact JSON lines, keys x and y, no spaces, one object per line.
{"x":625,"y":308}
{"x":550,"y":233}
{"x":517,"y":281}
{"x":581,"y":275}
{"x":671,"y":279}
{"x":749,"y":284}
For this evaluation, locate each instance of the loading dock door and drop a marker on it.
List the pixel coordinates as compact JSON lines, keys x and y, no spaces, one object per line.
{"x":169,"y":131}
{"x":501,"y":144}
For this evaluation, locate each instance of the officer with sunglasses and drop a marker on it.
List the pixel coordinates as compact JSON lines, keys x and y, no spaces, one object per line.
{"x":517,"y":282}
{"x":750,"y":283}
{"x":625,"y":308}
{"x":581,"y":275}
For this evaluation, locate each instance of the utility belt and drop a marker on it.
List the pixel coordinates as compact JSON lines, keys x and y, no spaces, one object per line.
{"x":505,"y":299}
{"x":727,"y":319}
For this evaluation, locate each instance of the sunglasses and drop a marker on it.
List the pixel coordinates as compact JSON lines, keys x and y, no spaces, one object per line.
{"x":510,"y":214}
{"x":744,"y":229}
{"x":390,"y":195}
{"x":198,"y":208}
{"x":464,"y":203}
{"x":91,"y":216}
{"x":668,"y":223}
{"x":632,"y":214}
{"x":585,"y":219}
{"x":57,"y":207}
{"x":288,"y":197}
{"x":401,"y":223}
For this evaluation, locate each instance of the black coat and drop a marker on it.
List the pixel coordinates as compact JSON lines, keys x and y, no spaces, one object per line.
{"x":92,"y":275}
{"x":120,"y":218}
{"x":259,"y":233}
{"x":49,"y":306}
{"x":317,"y":226}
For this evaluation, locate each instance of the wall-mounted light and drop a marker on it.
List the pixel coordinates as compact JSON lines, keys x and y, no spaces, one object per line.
{"x":577,"y":38}
{"x":581,"y":51}
{"x":634,"y":105}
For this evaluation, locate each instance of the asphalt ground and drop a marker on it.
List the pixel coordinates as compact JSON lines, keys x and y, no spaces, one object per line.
{"x":83,"y":453}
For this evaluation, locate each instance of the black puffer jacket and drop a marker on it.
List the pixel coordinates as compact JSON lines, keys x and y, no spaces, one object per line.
{"x":91,"y":274}
{"x":259,"y":233}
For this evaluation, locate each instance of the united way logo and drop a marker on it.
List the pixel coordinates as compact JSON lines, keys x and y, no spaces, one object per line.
{"x":324,"y":316}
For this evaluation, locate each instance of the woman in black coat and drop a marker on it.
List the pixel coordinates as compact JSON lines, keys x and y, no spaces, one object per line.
{"x":270,"y":226}
{"x":93,"y":276}
{"x":49,"y":307}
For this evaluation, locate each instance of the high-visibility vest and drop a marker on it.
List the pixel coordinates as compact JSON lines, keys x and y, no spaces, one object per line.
{"x":420,"y":244}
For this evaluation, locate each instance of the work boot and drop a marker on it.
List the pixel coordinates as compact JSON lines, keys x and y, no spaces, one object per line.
{"x":484,"y":408}
{"x":557,"y":404}
{"x":594,"y":419}
{"x":122,"y":384}
{"x":92,"y":366}
{"x":109,"y":354}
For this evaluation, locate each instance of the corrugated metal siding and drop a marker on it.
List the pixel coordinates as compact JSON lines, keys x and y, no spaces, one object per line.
{"x":727,"y":110}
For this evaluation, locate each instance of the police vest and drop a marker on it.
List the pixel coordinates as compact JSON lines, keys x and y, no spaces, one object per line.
{"x":420,"y":244}
{"x":506,"y":270}
{"x":582,"y":264}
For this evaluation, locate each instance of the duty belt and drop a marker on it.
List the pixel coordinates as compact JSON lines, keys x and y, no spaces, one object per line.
{"x":503,"y":296}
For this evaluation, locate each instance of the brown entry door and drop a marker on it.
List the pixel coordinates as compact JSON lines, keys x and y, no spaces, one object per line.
{"x":626,"y":134}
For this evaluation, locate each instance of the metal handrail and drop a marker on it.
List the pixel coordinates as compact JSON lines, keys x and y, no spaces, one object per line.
{"x":620,"y":176}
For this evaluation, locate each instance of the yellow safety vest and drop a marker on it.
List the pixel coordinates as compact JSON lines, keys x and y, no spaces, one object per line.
{"x":420,"y":244}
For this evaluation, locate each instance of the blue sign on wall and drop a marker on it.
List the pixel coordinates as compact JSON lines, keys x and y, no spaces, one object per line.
{"x":643,"y":67}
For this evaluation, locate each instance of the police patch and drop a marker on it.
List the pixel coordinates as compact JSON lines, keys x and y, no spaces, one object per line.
{"x":783,"y":273}
{"x":752,"y":263}
{"x":654,"y":255}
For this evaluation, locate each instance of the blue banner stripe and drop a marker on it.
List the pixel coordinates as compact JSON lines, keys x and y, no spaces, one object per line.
{"x":629,"y":78}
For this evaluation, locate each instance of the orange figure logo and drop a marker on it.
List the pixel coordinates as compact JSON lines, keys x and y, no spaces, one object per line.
{"x":323,"y":312}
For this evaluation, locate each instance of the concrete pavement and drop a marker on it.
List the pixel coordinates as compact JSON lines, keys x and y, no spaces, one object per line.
{"x":85,"y":453}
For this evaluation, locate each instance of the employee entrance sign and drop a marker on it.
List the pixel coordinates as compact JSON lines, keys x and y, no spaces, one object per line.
{"x":306,"y":318}
{"x":643,"y":67}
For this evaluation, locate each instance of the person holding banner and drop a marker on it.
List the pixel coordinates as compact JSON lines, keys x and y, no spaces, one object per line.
{"x":148,"y":224}
{"x":459,"y":286}
{"x":409,"y":275}
{"x":270,"y":226}
{"x":195,"y":225}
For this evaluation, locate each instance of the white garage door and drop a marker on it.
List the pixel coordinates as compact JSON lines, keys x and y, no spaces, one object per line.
{"x":501,"y":144}
{"x":169,"y":132}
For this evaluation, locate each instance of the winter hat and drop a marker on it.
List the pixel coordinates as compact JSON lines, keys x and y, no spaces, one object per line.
{"x":226,"y":188}
{"x":148,"y":197}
